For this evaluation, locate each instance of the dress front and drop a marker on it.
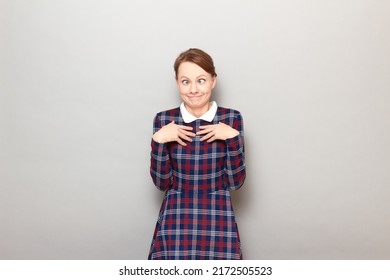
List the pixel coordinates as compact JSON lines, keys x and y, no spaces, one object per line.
{"x":196,"y":219}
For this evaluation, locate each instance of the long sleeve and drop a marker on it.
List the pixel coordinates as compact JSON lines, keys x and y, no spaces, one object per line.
{"x":160,"y":166}
{"x":235,"y":156}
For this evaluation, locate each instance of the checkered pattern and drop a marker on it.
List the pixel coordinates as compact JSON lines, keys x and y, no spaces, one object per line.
{"x":196,"y":219}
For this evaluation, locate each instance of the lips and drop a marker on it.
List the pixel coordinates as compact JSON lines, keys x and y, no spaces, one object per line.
{"x":195,"y":96}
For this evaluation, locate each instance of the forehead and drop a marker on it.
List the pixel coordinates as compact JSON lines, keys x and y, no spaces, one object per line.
{"x":190,"y":69}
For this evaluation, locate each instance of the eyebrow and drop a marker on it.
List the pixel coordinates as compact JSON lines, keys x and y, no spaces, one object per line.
{"x":203,"y":75}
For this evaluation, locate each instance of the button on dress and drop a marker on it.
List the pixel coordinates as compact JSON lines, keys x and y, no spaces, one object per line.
{"x":196,"y":219}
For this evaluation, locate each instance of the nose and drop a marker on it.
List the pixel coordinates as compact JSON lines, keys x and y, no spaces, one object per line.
{"x":194,"y":88}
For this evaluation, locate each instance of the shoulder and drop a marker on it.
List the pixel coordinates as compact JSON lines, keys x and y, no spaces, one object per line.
{"x":230,"y":117}
{"x":165,"y":117}
{"x":224,"y":112}
{"x":171,"y":113}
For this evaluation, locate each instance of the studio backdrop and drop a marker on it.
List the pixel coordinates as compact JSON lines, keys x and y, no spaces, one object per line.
{"x":80,"y":84}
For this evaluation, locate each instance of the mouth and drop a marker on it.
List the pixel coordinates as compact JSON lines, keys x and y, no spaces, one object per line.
{"x":192,"y":96}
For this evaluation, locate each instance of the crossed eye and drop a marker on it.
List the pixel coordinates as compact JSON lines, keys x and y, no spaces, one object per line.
{"x":187,"y":82}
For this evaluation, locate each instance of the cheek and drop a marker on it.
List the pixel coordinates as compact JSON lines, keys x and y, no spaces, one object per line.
{"x":206,"y":88}
{"x":183,"y":90}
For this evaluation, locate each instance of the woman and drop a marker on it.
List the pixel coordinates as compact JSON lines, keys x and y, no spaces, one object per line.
{"x":197,"y":157}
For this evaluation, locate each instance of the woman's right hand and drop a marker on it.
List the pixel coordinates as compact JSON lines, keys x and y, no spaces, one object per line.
{"x":173,"y":132}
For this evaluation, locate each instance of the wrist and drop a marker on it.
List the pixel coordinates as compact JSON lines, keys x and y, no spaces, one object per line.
{"x":233,"y":133}
{"x":157,"y":138}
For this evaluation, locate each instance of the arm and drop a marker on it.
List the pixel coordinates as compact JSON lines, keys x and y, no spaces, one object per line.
{"x":233,"y":135}
{"x":160,"y":167}
{"x":235,"y":156}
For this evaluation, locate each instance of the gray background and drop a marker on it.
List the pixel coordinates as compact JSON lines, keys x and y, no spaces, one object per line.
{"x":81,"y":81}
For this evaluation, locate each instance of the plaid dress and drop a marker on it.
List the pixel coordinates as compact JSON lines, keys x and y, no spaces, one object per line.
{"x":196,"y":219}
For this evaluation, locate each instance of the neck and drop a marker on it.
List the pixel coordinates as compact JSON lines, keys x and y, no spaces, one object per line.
{"x":198,"y":112}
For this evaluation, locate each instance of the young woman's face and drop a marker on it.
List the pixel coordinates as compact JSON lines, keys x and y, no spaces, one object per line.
{"x":195,"y":86}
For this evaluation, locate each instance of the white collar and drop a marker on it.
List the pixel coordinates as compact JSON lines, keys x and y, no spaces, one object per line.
{"x":208,"y":116}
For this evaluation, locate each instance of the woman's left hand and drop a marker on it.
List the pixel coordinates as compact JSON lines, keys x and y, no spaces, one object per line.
{"x":218,"y":131}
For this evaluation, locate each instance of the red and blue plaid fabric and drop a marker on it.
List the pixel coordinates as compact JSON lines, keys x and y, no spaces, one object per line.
{"x":196,"y":219}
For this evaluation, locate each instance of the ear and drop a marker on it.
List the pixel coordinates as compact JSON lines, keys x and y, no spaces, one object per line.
{"x":214,"y":81}
{"x":177,"y":83}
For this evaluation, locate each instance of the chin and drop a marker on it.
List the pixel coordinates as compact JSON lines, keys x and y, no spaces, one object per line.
{"x":198,"y":101}
{"x":197,"y":104}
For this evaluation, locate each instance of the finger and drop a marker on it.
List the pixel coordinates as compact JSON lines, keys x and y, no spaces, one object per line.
{"x":187,"y":133}
{"x":181,"y":142}
{"x":206,"y":126}
{"x":207,"y":136}
{"x":184,"y":137}
{"x":185,"y":127}
{"x":211,"y":139}
{"x":205,"y":131}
